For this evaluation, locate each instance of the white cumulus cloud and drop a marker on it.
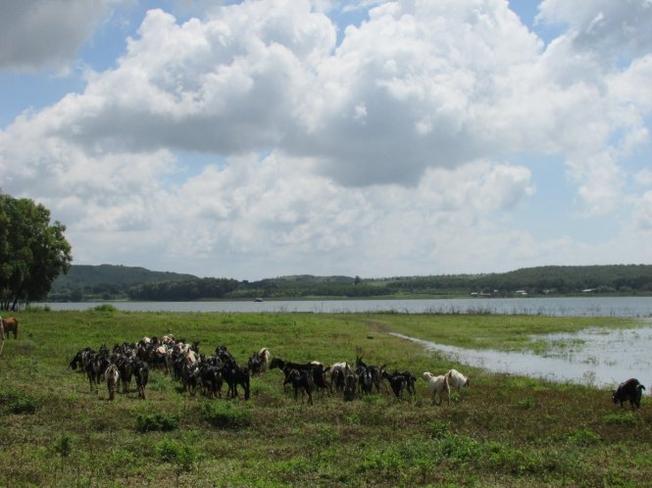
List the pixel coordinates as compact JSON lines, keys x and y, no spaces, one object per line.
{"x":397,"y":141}
{"x":36,"y":34}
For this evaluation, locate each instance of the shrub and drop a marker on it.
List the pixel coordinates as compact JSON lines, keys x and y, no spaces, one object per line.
{"x":584,"y":437}
{"x":438,"y":428}
{"x":620,"y":418}
{"x":526,"y":403}
{"x":225,"y":415}
{"x":171,"y":451}
{"x":17,"y":402}
{"x":38,"y":308}
{"x":181,"y":455}
{"x":106,"y":307}
{"x":63,"y":446}
{"x":156,"y":422}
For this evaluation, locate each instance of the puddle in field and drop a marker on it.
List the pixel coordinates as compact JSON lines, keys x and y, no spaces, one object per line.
{"x":598,"y":357}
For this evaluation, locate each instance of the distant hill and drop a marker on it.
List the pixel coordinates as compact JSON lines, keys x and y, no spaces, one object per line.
{"x":107,"y":281}
{"x":123,"y":282}
{"x":541,"y":280}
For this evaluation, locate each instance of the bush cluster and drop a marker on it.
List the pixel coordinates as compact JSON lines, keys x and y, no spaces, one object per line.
{"x":225,"y":415}
{"x":17,"y":402}
{"x":156,"y":422}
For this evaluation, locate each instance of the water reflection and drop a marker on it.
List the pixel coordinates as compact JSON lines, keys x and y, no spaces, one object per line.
{"x":597,"y":357}
{"x":551,"y":306}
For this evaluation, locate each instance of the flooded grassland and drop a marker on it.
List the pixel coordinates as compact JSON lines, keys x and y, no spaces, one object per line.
{"x":505,"y":430}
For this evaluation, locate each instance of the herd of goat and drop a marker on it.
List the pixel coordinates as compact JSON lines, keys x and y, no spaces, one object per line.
{"x":196,"y":371}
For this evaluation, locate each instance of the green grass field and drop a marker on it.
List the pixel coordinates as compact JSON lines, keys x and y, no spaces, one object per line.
{"x":503,"y":431}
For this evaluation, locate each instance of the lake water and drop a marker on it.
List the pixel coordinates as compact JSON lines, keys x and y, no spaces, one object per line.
{"x":598,"y":357}
{"x":566,"y":306}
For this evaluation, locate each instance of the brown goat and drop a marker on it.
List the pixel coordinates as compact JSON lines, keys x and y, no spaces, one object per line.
{"x":10,"y":324}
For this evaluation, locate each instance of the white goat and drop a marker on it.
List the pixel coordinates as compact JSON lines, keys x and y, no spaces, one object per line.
{"x":344,"y":367}
{"x":168,"y":339}
{"x":437,"y":386}
{"x":265,"y":358}
{"x":457,"y":380}
{"x":112,"y":376}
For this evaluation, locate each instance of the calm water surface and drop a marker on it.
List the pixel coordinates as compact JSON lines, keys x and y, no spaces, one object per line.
{"x":571,"y":306}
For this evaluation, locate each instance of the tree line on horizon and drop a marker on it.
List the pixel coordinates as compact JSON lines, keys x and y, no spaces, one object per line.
{"x":546,"y":280}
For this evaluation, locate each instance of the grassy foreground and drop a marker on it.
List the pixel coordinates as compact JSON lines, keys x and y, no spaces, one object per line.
{"x":504,"y":431}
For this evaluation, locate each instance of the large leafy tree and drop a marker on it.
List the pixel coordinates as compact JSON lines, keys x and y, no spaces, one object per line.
{"x":33,"y":251}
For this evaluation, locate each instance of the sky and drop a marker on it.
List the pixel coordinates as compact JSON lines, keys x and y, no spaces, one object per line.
{"x":375,"y":138}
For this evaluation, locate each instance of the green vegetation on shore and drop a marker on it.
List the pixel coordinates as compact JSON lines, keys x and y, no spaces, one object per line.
{"x":504,"y":431}
{"x":121,"y":282}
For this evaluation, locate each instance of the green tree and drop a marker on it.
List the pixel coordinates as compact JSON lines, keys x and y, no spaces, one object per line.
{"x":33,"y":252}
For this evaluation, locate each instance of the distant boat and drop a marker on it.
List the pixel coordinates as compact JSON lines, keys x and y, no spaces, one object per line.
{"x":258,"y":300}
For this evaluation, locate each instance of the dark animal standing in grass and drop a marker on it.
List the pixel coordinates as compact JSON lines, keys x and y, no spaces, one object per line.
{"x":315,"y":368}
{"x":141,"y":374}
{"x":339,"y":372}
{"x":190,"y":378}
{"x":91,"y":367}
{"x":630,"y":390}
{"x":234,"y":375}
{"x":377,"y":377}
{"x":211,"y":379}
{"x":410,"y":382}
{"x":112,"y":376}
{"x":337,"y":379}
{"x":10,"y":324}
{"x":255,"y":364}
{"x":223,"y":353}
{"x":125,"y":366}
{"x":401,"y":381}
{"x":81,"y":359}
{"x":350,"y":383}
{"x":365,"y":376}
{"x":302,"y":380}
{"x":100,"y":364}
{"x":396,"y":383}
{"x":319,"y":378}
{"x":365,"y":382}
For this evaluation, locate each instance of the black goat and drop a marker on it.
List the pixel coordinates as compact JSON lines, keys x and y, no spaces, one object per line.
{"x":141,"y":374}
{"x":301,"y":380}
{"x":190,"y":378}
{"x":314,"y":368}
{"x":234,"y":375}
{"x":211,"y":379}
{"x":350,"y":382}
{"x":223,"y":353}
{"x":255,"y":364}
{"x":82,"y":358}
{"x":369,"y":376}
{"x":410,"y":382}
{"x":400,"y":381}
{"x":125,"y":367}
{"x":377,"y":376}
{"x":365,"y":383}
{"x":630,"y":390}
{"x":96,"y":365}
